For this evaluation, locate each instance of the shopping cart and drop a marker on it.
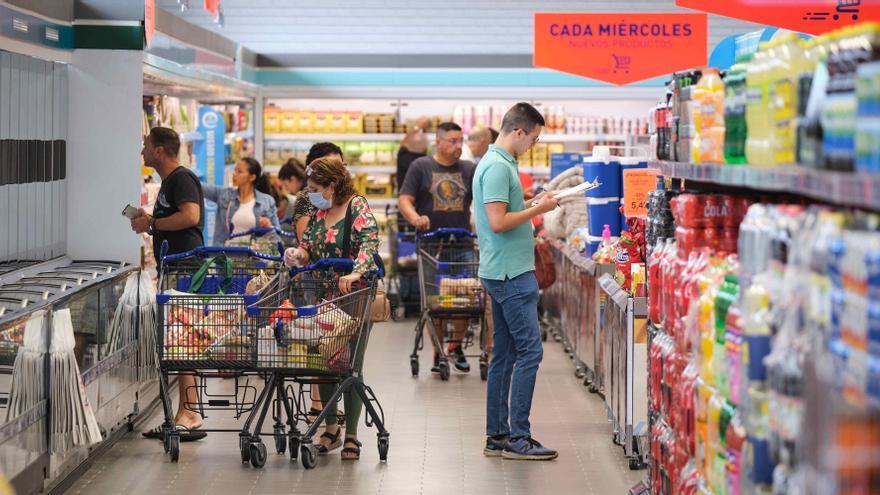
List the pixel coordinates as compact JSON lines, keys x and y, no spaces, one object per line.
{"x":309,"y":333}
{"x":448,"y":265}
{"x":402,"y":274}
{"x":262,"y":239}
{"x":848,"y":7}
{"x":202,"y":329}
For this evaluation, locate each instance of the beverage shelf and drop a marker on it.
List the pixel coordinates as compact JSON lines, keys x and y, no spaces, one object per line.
{"x":839,"y":188}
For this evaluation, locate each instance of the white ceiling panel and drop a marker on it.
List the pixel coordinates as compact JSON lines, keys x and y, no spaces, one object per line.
{"x":406,"y":26}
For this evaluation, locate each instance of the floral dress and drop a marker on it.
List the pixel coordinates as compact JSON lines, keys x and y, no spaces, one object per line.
{"x":321,"y":241}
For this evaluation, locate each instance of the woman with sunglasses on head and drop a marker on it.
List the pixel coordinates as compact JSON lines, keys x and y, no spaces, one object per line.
{"x":246,"y":205}
{"x":330,"y":190}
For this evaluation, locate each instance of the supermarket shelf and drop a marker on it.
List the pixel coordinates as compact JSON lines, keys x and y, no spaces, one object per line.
{"x":537,"y":171}
{"x":339,"y":137}
{"x":841,"y":188}
{"x":373,"y":169}
{"x":576,"y":138}
{"x":381,"y":202}
{"x":248,"y":134}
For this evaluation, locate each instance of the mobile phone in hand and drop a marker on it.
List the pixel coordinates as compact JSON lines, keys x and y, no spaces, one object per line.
{"x":130,"y":212}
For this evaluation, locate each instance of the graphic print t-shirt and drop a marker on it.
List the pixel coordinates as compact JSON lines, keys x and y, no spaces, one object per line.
{"x":443,"y":194}
{"x":181,"y":186}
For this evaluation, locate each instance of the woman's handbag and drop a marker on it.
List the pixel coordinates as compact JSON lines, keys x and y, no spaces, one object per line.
{"x":380,"y":310}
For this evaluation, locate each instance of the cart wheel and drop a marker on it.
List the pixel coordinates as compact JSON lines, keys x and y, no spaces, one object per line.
{"x":544,"y":335}
{"x":579,"y":372}
{"x":174,"y":447}
{"x":166,"y":442}
{"x":244,"y":445}
{"x":258,"y":455}
{"x":635,"y":464}
{"x":444,"y":371}
{"x":294,"y":447}
{"x":593,"y":389}
{"x":383,"y":448}
{"x":414,"y":366}
{"x":280,"y":440}
{"x":309,"y":455}
{"x":484,"y":371}
{"x":588,"y":380}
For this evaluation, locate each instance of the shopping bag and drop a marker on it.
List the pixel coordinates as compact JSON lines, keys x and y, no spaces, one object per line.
{"x":380,"y":310}
{"x":545,"y":268}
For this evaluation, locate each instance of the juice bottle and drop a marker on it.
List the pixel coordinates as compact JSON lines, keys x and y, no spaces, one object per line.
{"x":709,"y":96}
{"x":735,"y":128}
{"x":757,"y":113}
{"x":783,"y":83}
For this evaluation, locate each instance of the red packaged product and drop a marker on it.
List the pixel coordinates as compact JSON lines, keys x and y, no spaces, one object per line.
{"x":671,"y":279}
{"x":711,"y":239}
{"x":728,"y":211}
{"x":742,"y":207}
{"x":655,"y":284}
{"x":690,"y":211}
{"x":686,"y":238}
{"x":729,"y":241}
{"x":711,"y":211}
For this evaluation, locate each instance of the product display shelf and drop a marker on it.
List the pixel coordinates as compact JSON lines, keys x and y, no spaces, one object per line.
{"x":841,"y":188}
{"x":346,"y":137}
{"x":585,"y":138}
{"x":624,"y":341}
{"x":373,"y":169}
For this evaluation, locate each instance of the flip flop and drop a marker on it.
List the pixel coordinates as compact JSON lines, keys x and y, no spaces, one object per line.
{"x":186,"y":434}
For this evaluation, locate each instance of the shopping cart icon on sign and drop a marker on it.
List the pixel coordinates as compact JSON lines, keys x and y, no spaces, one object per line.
{"x":848,"y":7}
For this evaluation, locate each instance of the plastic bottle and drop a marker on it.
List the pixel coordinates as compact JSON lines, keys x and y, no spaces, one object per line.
{"x":708,"y":96}
{"x":735,"y":128}
{"x":783,"y":97}
{"x":756,"y":108}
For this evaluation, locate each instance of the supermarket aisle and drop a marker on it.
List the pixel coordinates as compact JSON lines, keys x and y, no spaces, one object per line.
{"x":436,"y":443}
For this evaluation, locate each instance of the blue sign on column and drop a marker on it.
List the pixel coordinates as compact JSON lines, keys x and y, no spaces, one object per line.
{"x":210,"y":154}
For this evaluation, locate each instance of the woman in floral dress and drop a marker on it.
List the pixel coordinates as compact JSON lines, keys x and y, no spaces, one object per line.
{"x":331,"y":191}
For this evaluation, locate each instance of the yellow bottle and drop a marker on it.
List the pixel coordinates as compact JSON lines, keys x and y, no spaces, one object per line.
{"x":757,"y":118}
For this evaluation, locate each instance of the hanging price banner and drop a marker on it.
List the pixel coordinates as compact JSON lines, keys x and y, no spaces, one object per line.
{"x":620,"y":48}
{"x":805,"y":16}
{"x":637,"y":183}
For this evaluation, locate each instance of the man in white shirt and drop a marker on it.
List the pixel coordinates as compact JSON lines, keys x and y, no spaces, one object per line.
{"x":477,"y":144}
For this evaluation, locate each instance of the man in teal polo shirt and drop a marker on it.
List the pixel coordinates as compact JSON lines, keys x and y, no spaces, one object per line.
{"x":507,"y":270}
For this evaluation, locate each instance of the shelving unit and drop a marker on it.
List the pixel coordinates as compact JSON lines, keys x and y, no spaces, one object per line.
{"x":339,"y":137}
{"x":841,"y":188}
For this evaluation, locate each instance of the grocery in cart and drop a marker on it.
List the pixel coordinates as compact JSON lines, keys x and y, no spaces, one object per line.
{"x":448,"y":264}
{"x":309,"y":333}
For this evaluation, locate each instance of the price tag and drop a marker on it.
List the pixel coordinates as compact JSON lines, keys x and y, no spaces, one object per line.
{"x":637,"y":183}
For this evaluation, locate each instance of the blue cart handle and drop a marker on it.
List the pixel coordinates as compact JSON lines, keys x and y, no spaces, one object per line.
{"x":345,"y":265}
{"x":335,"y":264}
{"x":445,"y":232}
{"x":260,"y":232}
{"x":209,"y":250}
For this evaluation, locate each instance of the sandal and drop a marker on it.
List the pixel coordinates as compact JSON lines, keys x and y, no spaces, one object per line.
{"x":354,"y":453}
{"x":313,"y":415}
{"x":335,"y":442}
{"x":186,"y":434}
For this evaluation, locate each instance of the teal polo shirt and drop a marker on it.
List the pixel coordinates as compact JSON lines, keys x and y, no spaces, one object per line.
{"x":512,"y":253}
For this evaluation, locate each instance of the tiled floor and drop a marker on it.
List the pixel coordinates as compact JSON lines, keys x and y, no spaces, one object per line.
{"x":436,"y":443}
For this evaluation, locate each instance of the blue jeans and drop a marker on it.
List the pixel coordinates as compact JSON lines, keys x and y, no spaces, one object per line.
{"x":516,"y":354}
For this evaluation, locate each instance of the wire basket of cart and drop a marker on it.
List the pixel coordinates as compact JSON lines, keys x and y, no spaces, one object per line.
{"x":448,"y":267}
{"x":202,"y":329}
{"x":401,"y":279}
{"x":266,"y":240}
{"x":310,"y":333}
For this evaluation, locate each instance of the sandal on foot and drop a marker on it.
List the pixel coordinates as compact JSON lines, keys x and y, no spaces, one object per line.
{"x":189,"y":434}
{"x":354,"y":453}
{"x":335,"y":442}
{"x":157,"y":433}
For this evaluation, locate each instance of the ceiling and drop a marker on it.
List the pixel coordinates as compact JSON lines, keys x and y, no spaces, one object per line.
{"x":392,"y":27}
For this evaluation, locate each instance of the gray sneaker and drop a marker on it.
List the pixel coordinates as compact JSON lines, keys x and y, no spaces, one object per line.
{"x":528,"y":449}
{"x":493,"y":447}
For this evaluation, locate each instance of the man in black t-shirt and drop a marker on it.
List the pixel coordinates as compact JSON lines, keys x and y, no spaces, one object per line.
{"x":178,"y":217}
{"x":437,"y":193}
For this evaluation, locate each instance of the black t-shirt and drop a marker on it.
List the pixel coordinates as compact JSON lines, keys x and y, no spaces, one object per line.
{"x":405,"y":158}
{"x":181,"y":186}
{"x":443,"y":194}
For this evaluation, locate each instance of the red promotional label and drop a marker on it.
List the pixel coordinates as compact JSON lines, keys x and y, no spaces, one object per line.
{"x":805,"y":16}
{"x":620,"y":48}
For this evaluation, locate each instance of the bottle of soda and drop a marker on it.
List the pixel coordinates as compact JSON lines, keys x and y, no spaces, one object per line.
{"x":735,"y":113}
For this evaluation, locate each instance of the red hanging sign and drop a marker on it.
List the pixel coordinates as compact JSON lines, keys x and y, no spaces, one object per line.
{"x":805,"y":16}
{"x":149,"y":20}
{"x":213,"y":7}
{"x":620,"y":48}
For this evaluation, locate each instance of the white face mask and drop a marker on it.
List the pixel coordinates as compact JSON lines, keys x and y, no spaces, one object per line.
{"x":319,"y":201}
